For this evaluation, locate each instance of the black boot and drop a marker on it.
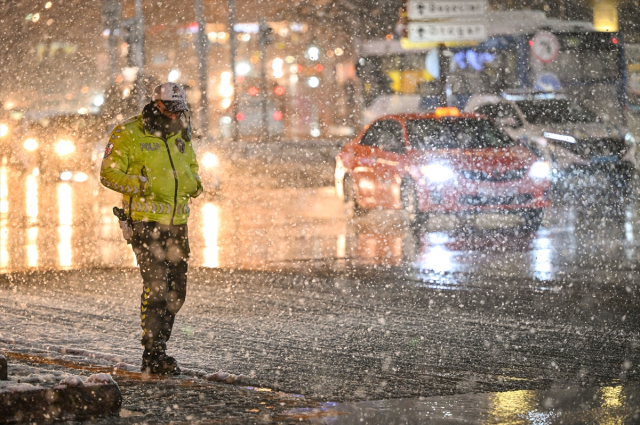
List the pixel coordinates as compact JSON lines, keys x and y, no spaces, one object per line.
{"x":156,"y":361}
{"x":148,"y":359}
{"x":167,"y":365}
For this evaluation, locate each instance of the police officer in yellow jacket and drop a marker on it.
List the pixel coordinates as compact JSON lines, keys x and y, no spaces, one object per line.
{"x":151,"y":161}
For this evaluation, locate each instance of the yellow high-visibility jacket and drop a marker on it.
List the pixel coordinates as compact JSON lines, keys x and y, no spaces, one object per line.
{"x":169,"y":167}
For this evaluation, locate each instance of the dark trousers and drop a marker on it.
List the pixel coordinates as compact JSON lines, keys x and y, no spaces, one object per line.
{"x":162,"y":252}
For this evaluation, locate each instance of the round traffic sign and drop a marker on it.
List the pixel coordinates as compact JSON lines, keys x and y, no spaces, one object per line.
{"x":545,"y":46}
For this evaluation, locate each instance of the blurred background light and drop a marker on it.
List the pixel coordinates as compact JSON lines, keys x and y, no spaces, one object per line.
{"x":314,"y":82}
{"x":173,"y":75}
{"x":64,"y":147}
{"x":98,"y":100}
{"x":209,"y":160}
{"x":80,"y":177}
{"x":243,"y":68}
{"x":314,"y":53}
{"x":30,"y":145}
{"x":277,"y":64}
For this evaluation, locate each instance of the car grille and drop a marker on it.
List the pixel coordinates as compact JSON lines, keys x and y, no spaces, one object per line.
{"x":594,"y":149}
{"x":494,"y":176}
{"x":480,"y":200}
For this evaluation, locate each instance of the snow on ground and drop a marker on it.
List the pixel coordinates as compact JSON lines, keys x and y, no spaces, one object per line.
{"x":342,"y":337}
{"x":93,"y":317}
{"x":25,"y":377}
{"x":75,"y":323}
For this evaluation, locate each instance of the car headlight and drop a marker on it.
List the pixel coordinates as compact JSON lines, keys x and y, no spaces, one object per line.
{"x":540,"y":170}
{"x":65,"y":147}
{"x":630,"y":155}
{"x":30,"y":145}
{"x":629,"y":138}
{"x":438,"y":173}
{"x":80,"y":177}
{"x":4,"y":130}
{"x":209,"y":160}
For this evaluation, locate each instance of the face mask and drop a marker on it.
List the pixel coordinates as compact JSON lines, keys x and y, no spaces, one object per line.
{"x":169,"y":125}
{"x":160,"y":125}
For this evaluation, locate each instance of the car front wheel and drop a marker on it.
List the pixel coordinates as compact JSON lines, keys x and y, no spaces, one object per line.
{"x":410,"y":203}
{"x":350,"y":198}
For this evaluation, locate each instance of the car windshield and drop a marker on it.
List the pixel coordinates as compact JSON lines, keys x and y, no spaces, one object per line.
{"x":470,"y":133}
{"x":554,"y":111}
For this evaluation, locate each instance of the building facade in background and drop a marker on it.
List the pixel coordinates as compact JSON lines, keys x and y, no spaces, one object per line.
{"x":68,"y":55}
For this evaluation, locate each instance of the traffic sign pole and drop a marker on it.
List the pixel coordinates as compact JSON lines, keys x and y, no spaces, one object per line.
{"x":446,"y":21}
{"x":262,"y":47}
{"x":233,"y":51}
{"x":202,"y":49}
{"x":443,"y":57}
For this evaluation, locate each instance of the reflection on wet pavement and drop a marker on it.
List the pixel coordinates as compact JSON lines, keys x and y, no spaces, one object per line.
{"x":561,"y":405}
{"x":61,"y":225}
{"x":4,"y":210}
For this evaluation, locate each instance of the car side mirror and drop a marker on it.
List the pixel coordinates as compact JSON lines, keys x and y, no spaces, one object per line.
{"x":507,"y":122}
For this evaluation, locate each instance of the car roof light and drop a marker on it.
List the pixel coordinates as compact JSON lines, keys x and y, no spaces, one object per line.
{"x":447,"y":111}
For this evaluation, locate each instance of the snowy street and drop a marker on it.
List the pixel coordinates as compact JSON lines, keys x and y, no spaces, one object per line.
{"x":299,"y":299}
{"x":330,"y":212}
{"x":343,"y":309}
{"x":344,"y":336}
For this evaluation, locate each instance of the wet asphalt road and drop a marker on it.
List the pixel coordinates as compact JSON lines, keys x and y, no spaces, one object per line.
{"x":285,"y":288}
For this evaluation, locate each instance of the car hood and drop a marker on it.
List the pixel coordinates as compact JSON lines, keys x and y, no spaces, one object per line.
{"x":591,"y":141}
{"x":501,"y":159}
{"x":584,"y":131}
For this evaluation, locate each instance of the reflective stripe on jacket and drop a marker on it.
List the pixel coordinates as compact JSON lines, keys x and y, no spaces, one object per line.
{"x":170,"y":167}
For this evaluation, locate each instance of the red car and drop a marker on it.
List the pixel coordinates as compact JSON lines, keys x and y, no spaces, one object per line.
{"x":442,"y":162}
